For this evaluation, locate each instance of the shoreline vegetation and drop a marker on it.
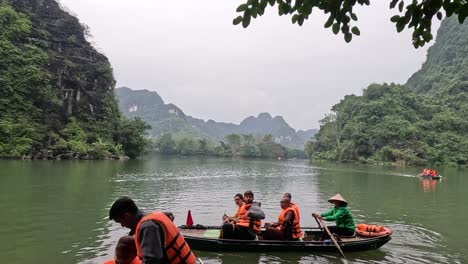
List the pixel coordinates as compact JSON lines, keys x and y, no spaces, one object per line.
{"x":423,"y":122}
{"x":234,"y":145}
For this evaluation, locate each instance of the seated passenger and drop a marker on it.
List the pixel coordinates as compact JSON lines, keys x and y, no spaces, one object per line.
{"x":239,"y":200}
{"x":287,"y":227}
{"x":341,"y":215}
{"x":249,"y":221}
{"x":294,"y":206}
{"x":125,"y":252}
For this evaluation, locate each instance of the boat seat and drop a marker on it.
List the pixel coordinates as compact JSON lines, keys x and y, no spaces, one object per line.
{"x":338,"y":237}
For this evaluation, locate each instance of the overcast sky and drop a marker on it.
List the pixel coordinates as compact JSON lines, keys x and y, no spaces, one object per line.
{"x":191,"y":54}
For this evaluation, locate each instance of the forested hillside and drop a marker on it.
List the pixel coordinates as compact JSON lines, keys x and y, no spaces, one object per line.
{"x":424,"y":121}
{"x":56,"y":90}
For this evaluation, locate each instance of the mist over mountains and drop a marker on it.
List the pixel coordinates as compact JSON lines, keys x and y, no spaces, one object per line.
{"x":168,"y":118}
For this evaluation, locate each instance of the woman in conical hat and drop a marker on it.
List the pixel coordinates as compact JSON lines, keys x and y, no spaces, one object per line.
{"x":340,"y":214}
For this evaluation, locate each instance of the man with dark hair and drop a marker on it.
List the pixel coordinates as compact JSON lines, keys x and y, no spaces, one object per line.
{"x":248,"y":225}
{"x":239,"y":201}
{"x":157,"y":239}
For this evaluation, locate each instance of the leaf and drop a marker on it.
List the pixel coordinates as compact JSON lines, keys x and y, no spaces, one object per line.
{"x":439,"y":15}
{"x":348,"y":37}
{"x":395,"y":18}
{"x":271,"y":2}
{"x":253,"y":12}
{"x":294,"y":18}
{"x":427,"y":36}
{"x":400,"y":26}
{"x":329,"y":22}
{"x":237,"y":20}
{"x":241,"y":8}
{"x":393,"y":4}
{"x":356,"y":31}
{"x":336,"y":28}
{"x":346,"y":19}
{"x":300,"y":21}
{"x":246,"y":19}
{"x":353,"y":17}
{"x":401,"y":5}
{"x":461,"y":18}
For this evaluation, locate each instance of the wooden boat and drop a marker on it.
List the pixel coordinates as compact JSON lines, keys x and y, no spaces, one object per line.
{"x":207,"y":238}
{"x":438,"y":177}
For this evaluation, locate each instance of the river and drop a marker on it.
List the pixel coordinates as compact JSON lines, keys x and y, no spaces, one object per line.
{"x":57,"y":211}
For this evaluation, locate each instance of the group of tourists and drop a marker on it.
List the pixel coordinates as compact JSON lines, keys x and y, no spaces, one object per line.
{"x":246,"y":223}
{"x":153,"y":237}
{"x":430,"y":172}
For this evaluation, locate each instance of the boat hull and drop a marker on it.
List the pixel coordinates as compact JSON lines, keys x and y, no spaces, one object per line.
{"x":438,"y":177}
{"x":225,"y":245}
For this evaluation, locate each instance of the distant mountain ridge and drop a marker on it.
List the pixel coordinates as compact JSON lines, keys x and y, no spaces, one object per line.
{"x":168,"y":118}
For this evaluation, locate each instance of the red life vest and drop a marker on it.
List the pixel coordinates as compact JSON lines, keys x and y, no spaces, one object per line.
{"x":295,"y":228}
{"x":244,"y":220}
{"x":177,"y":250}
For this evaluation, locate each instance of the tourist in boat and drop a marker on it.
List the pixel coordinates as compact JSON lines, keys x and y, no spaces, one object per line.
{"x":157,"y":239}
{"x":239,"y":201}
{"x":125,"y":252}
{"x":425,"y":172}
{"x":287,"y":227}
{"x":341,"y":215}
{"x":249,"y":221}
{"x":293,"y":205}
{"x":433,"y":173}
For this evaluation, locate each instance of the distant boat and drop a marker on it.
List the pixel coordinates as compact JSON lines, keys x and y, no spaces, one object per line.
{"x":206,"y":238}
{"x":437,"y":177}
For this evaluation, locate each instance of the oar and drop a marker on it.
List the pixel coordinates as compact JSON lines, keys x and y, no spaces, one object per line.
{"x":332,"y":238}
{"x":318,"y":223}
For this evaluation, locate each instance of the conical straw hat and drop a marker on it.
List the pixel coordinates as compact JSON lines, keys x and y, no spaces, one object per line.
{"x":337,"y":197}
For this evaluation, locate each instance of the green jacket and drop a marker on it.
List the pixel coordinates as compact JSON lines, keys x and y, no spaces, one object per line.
{"x":342,"y":217}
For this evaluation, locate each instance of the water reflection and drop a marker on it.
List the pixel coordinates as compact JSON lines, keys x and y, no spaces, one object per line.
{"x":429,"y":185}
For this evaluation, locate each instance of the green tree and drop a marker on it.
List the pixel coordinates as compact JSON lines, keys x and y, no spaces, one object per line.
{"x":167,"y":145}
{"x":342,"y":16}
{"x":234,"y":142}
{"x":132,"y":136}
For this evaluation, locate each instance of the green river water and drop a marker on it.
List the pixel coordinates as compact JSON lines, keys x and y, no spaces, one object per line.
{"x":57,"y":211}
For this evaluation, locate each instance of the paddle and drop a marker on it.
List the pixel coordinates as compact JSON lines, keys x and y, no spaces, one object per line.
{"x":331,"y":237}
{"x":318,"y":223}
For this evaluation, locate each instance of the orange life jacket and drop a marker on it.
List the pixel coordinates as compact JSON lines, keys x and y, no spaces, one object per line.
{"x":370,"y":228}
{"x":177,"y":250}
{"x":244,"y":220}
{"x":295,"y":228}
{"x":296,"y":209}
{"x":238,"y":211}
{"x":136,"y":260}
